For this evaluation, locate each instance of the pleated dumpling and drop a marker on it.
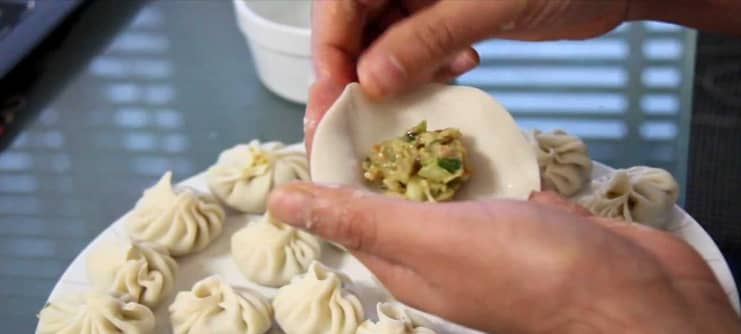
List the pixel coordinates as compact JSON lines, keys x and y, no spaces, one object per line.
{"x":638,"y":194}
{"x":316,"y":303}
{"x":140,"y":272}
{"x":214,"y":307}
{"x":563,"y":160}
{"x":181,"y":220}
{"x":245,"y":174}
{"x":269,"y":252}
{"x":94,"y":313}
{"x":392,"y":319}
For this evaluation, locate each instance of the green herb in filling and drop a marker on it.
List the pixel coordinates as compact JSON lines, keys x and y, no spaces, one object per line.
{"x":420,"y":165}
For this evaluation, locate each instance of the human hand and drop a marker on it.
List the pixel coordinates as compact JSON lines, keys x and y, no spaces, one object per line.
{"x":390,"y":46}
{"x":543,"y":266}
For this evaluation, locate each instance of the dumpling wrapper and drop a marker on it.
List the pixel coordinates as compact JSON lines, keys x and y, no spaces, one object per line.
{"x":215,"y":307}
{"x":181,"y":219}
{"x":501,"y":161}
{"x":143,"y":273}
{"x":565,"y":165}
{"x":317,"y":302}
{"x":638,"y":194}
{"x":94,"y":313}
{"x":269,"y":252}
{"x":392,"y":319}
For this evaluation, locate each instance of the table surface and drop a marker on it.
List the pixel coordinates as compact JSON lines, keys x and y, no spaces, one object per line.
{"x":165,"y":94}
{"x":158,"y":98}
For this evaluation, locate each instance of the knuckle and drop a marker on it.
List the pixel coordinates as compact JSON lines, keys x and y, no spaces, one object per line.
{"x":356,"y":226}
{"x":436,"y":38}
{"x":363,"y":231}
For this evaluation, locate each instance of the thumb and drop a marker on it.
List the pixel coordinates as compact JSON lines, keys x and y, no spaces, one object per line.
{"x":433,"y":41}
{"x":355,"y":219}
{"x":393,"y":229}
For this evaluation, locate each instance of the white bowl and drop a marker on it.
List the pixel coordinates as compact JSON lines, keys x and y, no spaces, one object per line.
{"x":279,"y":36}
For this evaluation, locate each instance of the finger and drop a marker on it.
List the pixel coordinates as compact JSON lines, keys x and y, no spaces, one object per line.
{"x":391,"y":14}
{"x":378,"y":25}
{"x":461,"y":63}
{"x":322,"y":95}
{"x":397,"y":230}
{"x":401,"y":281}
{"x":554,"y":200}
{"x":416,"y":5}
{"x":332,"y":43}
{"x":412,"y":51}
{"x":336,"y":42}
{"x":349,"y":217}
{"x":337,"y":31}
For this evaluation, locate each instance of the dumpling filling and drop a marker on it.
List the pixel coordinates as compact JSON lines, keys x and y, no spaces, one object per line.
{"x":419,"y":165}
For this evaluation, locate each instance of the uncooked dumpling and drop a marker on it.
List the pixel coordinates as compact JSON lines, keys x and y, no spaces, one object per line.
{"x":269,"y":252}
{"x":638,"y":194}
{"x":94,"y":313}
{"x":214,"y":307}
{"x":142,"y":273}
{"x":244,"y":175}
{"x":392,"y":319}
{"x":181,"y":220}
{"x":563,"y":159}
{"x":316,"y":303}
{"x":502,"y":163}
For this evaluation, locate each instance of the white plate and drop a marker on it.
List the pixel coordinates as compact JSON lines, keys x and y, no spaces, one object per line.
{"x":216,"y":259}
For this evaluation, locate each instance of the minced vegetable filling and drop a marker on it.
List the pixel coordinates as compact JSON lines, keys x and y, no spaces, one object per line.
{"x":420,"y":165}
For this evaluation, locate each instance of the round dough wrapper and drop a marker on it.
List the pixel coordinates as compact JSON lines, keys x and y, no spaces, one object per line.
{"x":501,"y":161}
{"x":143,"y":273}
{"x":94,"y":313}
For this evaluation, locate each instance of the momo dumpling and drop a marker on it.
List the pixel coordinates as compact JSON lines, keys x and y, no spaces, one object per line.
{"x":182,"y":220}
{"x":392,"y":319}
{"x":638,"y":194}
{"x":94,"y":313}
{"x":269,"y":252}
{"x":245,"y":174}
{"x":214,"y":307}
{"x":316,"y":303}
{"x":563,"y":160}
{"x":141,"y":273}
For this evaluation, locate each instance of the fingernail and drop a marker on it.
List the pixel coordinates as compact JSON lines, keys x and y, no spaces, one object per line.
{"x":290,"y":204}
{"x":382,"y":75}
{"x":463,"y":62}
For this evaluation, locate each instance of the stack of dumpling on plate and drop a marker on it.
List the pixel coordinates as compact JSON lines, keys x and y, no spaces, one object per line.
{"x":133,"y":274}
